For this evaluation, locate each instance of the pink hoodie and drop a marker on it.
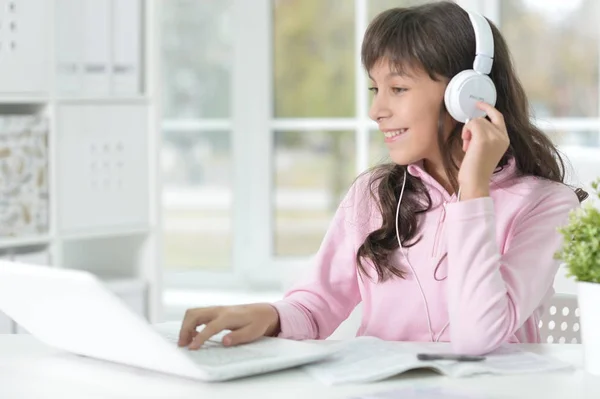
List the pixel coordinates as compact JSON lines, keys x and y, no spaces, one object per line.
{"x":491,"y":287}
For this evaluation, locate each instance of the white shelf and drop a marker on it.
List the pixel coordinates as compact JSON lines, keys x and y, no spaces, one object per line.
{"x":104,"y":100}
{"x":25,"y":66}
{"x":102,"y":161}
{"x":106,"y":233}
{"x":20,"y":99}
{"x":24,"y":241}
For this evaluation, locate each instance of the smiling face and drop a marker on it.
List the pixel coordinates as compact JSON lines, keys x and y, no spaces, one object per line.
{"x":407,"y":107}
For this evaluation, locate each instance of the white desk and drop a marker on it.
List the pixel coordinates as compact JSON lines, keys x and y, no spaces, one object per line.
{"x":29,"y":369}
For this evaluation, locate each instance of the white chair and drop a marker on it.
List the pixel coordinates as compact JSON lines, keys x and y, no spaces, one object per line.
{"x":560,"y":323}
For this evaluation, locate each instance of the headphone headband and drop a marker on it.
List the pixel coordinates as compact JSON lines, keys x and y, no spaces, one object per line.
{"x":484,"y":43}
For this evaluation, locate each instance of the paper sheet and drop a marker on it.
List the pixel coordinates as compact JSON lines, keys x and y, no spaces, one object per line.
{"x":510,"y":360}
{"x":368,"y":359}
{"x":365,"y":359}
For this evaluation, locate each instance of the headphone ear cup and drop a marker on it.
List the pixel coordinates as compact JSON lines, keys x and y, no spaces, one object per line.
{"x":464,"y":91}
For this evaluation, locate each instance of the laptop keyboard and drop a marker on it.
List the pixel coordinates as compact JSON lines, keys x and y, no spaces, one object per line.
{"x":213,"y":353}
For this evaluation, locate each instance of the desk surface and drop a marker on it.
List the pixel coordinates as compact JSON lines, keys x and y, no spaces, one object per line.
{"x":29,"y":369}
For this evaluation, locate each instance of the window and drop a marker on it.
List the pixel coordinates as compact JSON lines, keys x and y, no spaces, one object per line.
{"x":555,"y":49}
{"x":377,"y":6}
{"x":313,"y":170}
{"x":196,"y":153}
{"x":265,"y":122}
{"x":313,"y":50}
{"x":314,"y":80}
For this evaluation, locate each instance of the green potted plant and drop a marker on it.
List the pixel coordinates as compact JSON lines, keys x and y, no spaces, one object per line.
{"x":581,"y":254}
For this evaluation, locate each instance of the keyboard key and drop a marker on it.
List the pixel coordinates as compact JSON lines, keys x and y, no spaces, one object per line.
{"x":219,"y":355}
{"x":213,"y":353}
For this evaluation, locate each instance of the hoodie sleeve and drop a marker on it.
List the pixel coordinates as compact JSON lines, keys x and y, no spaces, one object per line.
{"x":315,"y":307}
{"x":490,"y":295}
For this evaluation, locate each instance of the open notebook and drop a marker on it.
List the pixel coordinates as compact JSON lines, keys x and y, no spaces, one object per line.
{"x":367,"y":359}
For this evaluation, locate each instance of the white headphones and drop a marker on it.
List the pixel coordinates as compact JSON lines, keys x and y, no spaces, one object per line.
{"x":473,"y":85}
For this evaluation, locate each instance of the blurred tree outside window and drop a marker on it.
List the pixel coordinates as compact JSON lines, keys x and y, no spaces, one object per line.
{"x":554,"y":45}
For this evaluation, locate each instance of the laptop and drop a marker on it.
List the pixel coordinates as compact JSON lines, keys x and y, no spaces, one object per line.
{"x":73,"y":311}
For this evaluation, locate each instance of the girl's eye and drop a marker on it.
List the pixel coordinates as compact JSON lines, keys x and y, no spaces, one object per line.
{"x":373,"y":90}
{"x":398,"y":90}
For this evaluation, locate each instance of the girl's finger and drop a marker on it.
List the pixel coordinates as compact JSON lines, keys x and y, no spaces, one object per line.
{"x":495,"y":116}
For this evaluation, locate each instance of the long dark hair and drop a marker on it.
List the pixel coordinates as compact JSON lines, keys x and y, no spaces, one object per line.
{"x":439,"y":38}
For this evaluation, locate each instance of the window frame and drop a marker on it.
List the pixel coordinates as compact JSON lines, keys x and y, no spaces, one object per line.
{"x":254,"y":264}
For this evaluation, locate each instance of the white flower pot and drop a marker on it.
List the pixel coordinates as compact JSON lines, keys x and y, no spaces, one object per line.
{"x":589,"y":301}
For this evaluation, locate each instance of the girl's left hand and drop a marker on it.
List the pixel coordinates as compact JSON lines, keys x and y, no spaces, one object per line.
{"x":484,"y":143}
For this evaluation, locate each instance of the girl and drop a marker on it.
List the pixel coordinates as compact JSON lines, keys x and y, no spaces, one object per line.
{"x":455,"y":239}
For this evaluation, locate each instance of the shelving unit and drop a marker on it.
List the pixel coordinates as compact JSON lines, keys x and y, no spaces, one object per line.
{"x":13,"y":243}
{"x":79,"y":76}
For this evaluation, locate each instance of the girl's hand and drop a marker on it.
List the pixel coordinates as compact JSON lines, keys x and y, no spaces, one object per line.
{"x":247,"y":323}
{"x":484,"y":144}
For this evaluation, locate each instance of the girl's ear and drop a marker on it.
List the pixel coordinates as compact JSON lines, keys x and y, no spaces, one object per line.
{"x":449,"y":122}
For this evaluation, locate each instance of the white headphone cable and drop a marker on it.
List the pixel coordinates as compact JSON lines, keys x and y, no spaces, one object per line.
{"x":402,"y":250}
{"x":407,"y":261}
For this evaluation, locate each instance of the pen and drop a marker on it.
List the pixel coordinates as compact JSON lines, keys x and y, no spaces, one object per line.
{"x":448,"y":356}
